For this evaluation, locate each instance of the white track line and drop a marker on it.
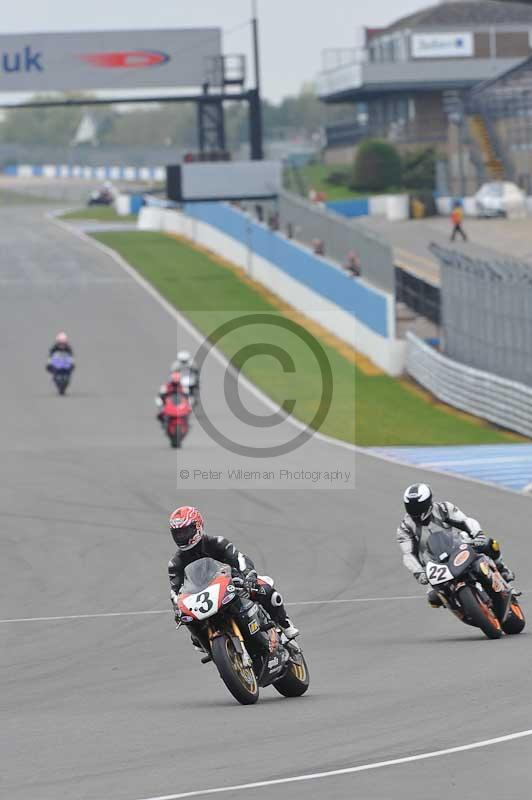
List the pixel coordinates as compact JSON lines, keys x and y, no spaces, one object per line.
{"x":348,"y":770}
{"x":106,"y":614}
{"x":268,"y":402}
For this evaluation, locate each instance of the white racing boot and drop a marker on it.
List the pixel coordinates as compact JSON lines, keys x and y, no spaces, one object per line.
{"x":289,"y":630}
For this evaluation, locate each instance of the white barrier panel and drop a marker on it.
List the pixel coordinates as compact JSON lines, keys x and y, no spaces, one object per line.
{"x":444,"y":205}
{"x":123,"y":205}
{"x":49,"y":170}
{"x":114,"y":173}
{"x":388,"y":354}
{"x":397,"y":207}
{"x":25,"y":171}
{"x":378,"y":205}
{"x":470,"y":207}
{"x":498,"y":400}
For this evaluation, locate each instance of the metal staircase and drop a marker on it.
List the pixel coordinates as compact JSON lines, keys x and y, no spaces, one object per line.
{"x":480,"y":133}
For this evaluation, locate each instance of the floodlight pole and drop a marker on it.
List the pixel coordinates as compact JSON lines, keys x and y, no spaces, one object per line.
{"x":255,"y":108}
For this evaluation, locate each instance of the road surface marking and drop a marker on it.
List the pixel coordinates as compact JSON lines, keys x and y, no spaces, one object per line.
{"x":348,"y":770}
{"x":105,"y":614}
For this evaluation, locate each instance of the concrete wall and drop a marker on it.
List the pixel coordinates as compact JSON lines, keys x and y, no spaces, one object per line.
{"x":360,"y":315}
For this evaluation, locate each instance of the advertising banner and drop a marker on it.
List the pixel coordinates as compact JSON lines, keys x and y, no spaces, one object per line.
{"x":442,"y":45}
{"x":45,"y":62}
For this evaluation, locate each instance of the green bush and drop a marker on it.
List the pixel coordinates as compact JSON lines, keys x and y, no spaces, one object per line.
{"x":419,"y":168}
{"x":338,"y":178}
{"x":377,"y":167}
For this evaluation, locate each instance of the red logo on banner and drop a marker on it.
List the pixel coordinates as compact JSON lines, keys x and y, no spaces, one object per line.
{"x":126,"y":59}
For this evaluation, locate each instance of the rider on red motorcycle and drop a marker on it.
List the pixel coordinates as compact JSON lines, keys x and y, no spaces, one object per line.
{"x":173,"y":386}
{"x":186,"y":527}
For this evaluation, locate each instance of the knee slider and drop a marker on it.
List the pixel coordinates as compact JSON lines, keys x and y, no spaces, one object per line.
{"x":277,"y":599}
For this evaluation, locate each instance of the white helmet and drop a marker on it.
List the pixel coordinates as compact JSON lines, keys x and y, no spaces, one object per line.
{"x":184,"y":357}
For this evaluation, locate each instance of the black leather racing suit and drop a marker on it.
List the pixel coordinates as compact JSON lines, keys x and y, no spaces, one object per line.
{"x":60,"y":348}
{"x":223,"y":550}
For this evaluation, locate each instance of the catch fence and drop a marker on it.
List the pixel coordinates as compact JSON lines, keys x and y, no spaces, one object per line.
{"x":486,"y":313}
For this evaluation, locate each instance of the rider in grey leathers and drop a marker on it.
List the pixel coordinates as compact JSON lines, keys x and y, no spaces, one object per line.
{"x":422,"y":511}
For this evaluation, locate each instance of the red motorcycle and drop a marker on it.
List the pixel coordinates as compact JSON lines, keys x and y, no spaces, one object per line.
{"x":175,"y":413}
{"x":247,"y":647}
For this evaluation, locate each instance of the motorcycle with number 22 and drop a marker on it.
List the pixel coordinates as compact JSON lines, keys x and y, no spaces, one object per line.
{"x":469,"y":584}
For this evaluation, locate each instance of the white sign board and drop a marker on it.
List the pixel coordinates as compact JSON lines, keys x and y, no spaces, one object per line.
{"x":134,"y":59}
{"x":442,"y":45}
{"x":230,"y":180}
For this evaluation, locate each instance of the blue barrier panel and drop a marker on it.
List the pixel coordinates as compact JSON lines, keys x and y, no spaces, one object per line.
{"x":135,"y":203}
{"x":11,"y":169}
{"x":358,"y":207}
{"x":365,"y":304}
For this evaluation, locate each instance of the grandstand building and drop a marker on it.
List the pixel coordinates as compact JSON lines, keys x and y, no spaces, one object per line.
{"x":423,"y":81}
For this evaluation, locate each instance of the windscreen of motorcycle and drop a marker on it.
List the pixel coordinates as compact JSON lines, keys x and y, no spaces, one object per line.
{"x":202,"y":572}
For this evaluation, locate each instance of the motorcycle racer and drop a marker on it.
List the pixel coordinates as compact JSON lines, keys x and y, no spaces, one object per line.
{"x":421,"y":512}
{"x":60,"y":345}
{"x":186,"y":528}
{"x":172,"y":386}
{"x":184,"y":360}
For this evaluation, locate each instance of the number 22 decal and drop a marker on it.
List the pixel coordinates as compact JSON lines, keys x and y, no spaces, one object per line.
{"x":437,"y":573}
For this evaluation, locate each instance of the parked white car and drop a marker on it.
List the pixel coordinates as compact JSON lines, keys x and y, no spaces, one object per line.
{"x":500,"y":199}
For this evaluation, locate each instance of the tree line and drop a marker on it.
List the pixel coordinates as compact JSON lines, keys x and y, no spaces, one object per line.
{"x":165,"y":125}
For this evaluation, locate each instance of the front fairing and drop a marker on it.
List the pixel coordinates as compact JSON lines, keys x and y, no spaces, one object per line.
{"x":447,"y":557}
{"x":206,"y":586}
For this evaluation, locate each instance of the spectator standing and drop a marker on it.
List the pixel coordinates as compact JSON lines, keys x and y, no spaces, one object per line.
{"x":457,"y":218}
{"x":352,"y":264}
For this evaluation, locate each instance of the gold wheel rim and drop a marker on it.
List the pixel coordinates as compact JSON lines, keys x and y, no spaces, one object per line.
{"x":246,"y":674}
{"x":299,"y":671}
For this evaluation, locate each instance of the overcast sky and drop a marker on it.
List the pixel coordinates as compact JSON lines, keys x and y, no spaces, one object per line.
{"x":293,"y":32}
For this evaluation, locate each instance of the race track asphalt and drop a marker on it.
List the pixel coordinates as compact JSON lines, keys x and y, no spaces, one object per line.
{"x":118,"y":707}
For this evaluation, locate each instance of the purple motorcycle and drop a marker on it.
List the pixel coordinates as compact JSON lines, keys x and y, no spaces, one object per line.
{"x":60,"y":366}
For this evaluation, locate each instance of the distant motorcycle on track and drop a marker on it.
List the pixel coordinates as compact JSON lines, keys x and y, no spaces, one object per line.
{"x":61,"y":366}
{"x":175,"y":413}
{"x":469,"y":584}
{"x":247,"y":647}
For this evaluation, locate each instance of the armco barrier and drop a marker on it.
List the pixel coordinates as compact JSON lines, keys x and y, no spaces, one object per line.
{"x":504,"y":402}
{"x":355,"y":312}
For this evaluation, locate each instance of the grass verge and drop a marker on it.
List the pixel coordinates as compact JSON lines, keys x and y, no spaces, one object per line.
{"x":366,"y":409}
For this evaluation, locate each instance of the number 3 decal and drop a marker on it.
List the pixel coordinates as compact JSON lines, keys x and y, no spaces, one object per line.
{"x":205,"y":598}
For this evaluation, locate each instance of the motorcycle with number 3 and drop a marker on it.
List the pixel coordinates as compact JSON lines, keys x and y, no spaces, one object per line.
{"x":249,"y":650}
{"x":469,"y":584}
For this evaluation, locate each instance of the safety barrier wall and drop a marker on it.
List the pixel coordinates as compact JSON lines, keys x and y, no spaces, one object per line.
{"x":355,"y":312}
{"x":113,"y":173}
{"x":394,"y":207}
{"x":504,"y":402}
{"x":359,"y":207}
{"x":307,"y":221}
